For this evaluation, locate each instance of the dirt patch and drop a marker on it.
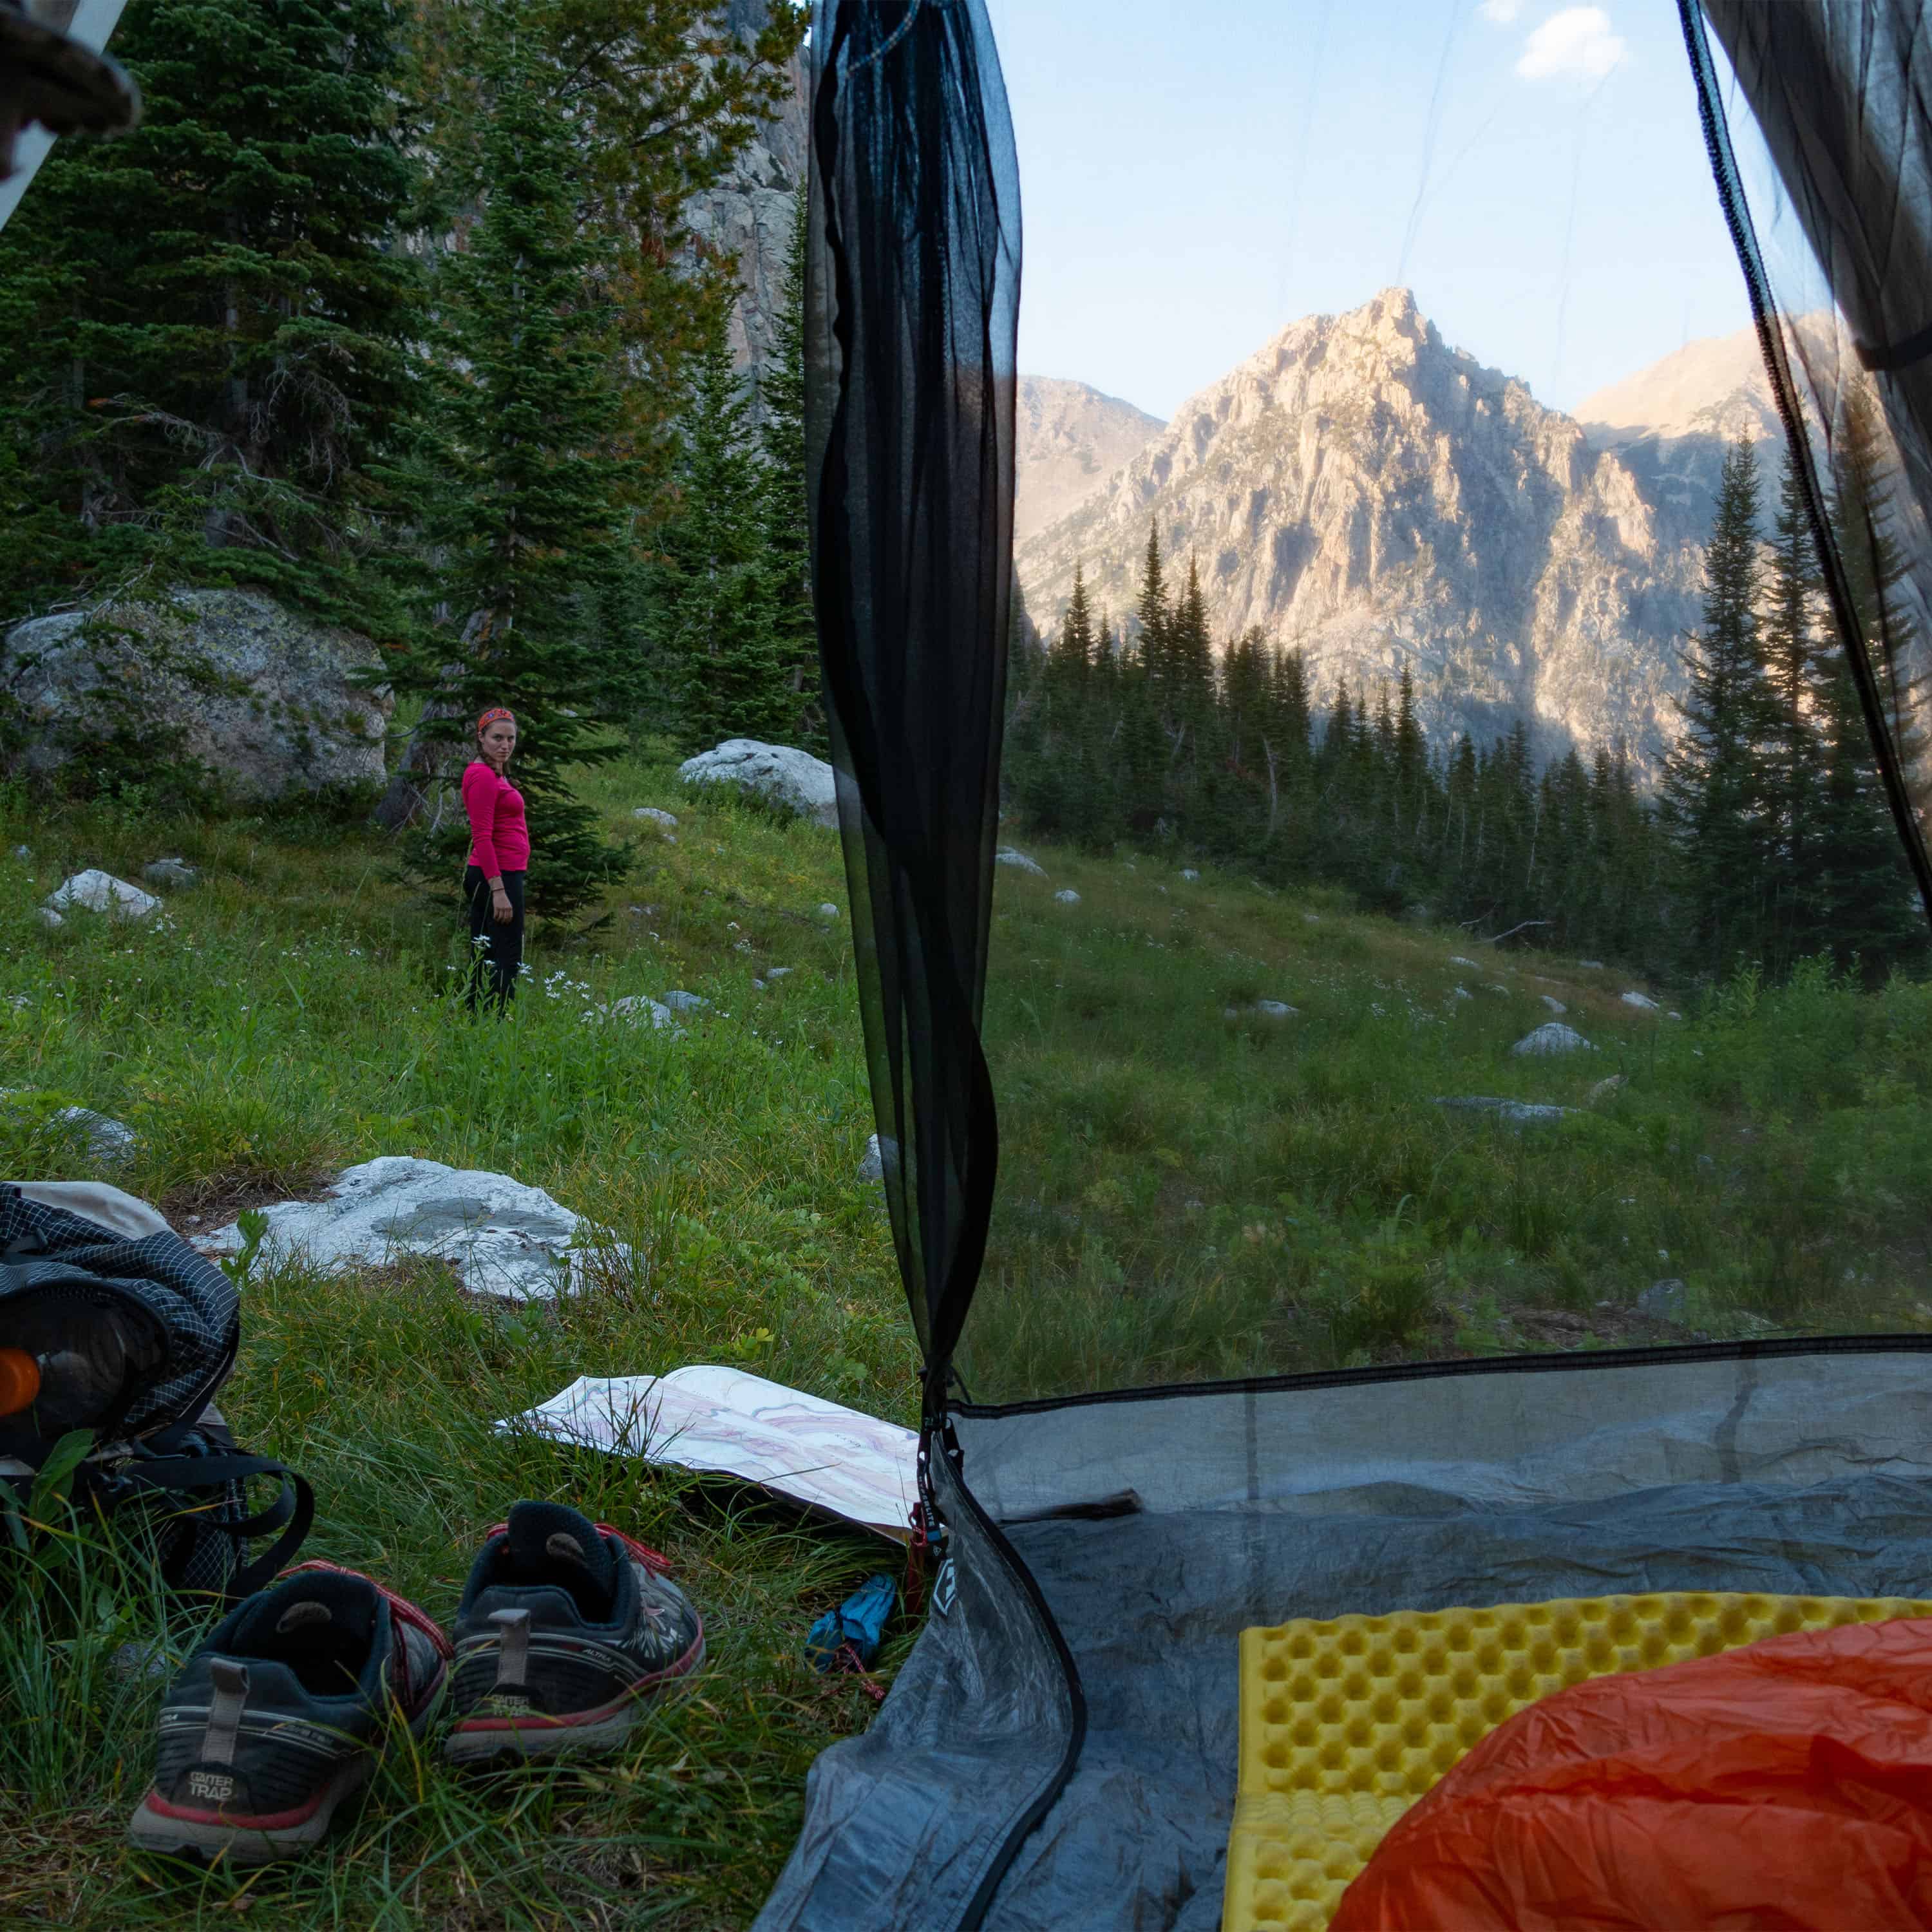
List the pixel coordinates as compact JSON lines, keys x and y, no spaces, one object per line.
{"x":200,"y":1206}
{"x":1542,"y":1331}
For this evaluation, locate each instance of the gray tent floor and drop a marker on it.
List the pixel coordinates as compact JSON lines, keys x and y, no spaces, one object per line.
{"x":1152,"y":1604}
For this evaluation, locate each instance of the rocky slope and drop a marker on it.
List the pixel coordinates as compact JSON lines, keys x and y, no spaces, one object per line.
{"x":1716,"y":387}
{"x":1070,"y":440}
{"x":1362,"y":489}
{"x":749,"y":214}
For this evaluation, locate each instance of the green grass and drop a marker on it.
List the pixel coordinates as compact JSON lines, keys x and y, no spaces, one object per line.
{"x":1187,"y":1194}
{"x":1184,"y":1195}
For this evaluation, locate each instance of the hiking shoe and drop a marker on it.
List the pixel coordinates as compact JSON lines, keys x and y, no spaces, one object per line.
{"x":565,"y":1628}
{"x":278,"y":1717}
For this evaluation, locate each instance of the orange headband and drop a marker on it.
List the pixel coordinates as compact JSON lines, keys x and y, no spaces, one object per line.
{"x":491,"y":716}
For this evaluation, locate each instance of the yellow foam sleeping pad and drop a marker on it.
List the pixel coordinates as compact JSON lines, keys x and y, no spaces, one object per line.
{"x":1345,"y":1724}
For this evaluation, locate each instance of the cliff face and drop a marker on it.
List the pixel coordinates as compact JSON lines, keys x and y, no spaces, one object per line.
{"x":749,"y":214}
{"x":1070,"y":440}
{"x":1360,"y":489}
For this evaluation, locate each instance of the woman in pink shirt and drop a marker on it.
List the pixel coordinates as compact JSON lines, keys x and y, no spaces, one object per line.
{"x":499,"y":855}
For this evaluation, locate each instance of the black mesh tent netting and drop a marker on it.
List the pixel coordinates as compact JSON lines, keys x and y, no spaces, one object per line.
{"x":1119,"y":1500}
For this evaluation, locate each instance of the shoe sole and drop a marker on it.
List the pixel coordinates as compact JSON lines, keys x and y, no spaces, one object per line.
{"x":593,"y":1733}
{"x":177,"y":1831}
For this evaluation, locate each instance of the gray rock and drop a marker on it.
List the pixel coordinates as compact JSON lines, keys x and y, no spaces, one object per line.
{"x":1311,"y":918}
{"x":1642,"y":1001}
{"x":262,"y":696}
{"x":1276,"y":1009}
{"x":1020,"y":863}
{"x":49,"y":917}
{"x":652,"y":815}
{"x":1665,"y":1300}
{"x":503,"y":1237}
{"x":1188,"y":873}
{"x":1553,"y":1036}
{"x":828,"y":910}
{"x":746,"y":217}
{"x":682,"y":1002}
{"x":107,"y":1139}
{"x":873,"y":1167}
{"x":1590,"y":965}
{"x":1513,"y":1113}
{"x":171,"y":874}
{"x":1457,"y":959}
{"x":780,"y":774}
{"x":23,"y":851}
{"x":1554,"y":1005}
{"x":96,"y":891}
{"x":1603,"y":1089}
{"x":636,"y":1009}
{"x":776,"y":972}
{"x":1460,"y":993}
{"x":1067,"y":895}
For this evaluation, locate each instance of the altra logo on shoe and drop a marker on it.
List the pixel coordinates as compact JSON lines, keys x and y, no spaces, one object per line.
{"x":214,"y":1786}
{"x":500,"y":1705}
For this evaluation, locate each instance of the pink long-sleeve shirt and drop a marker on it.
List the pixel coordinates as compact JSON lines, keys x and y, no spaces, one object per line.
{"x":500,"y":836}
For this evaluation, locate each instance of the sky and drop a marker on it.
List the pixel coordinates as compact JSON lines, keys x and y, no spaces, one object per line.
{"x":1197,"y":174}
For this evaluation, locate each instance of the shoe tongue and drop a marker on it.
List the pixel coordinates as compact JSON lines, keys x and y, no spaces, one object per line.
{"x":548,"y":1537}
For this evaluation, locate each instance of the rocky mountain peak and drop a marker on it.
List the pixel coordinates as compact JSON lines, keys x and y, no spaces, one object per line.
{"x":1361,"y":489}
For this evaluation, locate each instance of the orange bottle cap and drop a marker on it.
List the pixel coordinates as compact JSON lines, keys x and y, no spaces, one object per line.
{"x":20,"y":1381}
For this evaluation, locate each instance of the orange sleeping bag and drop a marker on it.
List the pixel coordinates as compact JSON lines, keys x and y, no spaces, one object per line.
{"x":1786,"y":1785}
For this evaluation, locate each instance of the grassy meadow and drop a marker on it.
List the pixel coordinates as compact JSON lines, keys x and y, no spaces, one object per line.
{"x":1186,"y":1193}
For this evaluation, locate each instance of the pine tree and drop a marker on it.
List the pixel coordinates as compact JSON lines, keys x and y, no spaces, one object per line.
{"x":527,"y":520}
{"x":720,"y":597}
{"x":1795,"y":755}
{"x":781,"y":438}
{"x":1151,"y":610}
{"x":1718,"y":799}
{"x":208,"y":330}
{"x":1863,"y":899}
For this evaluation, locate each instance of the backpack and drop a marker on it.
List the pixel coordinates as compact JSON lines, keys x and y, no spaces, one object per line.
{"x":157,"y":1448}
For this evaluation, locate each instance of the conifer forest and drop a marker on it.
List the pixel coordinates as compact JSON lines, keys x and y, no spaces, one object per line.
{"x":1770,"y":842}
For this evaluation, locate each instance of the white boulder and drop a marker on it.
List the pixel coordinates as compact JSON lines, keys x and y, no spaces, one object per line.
{"x":1457,"y":959}
{"x":1188,"y":873}
{"x":873,"y":1167}
{"x":1007,"y":856}
{"x":275,"y":700}
{"x":828,"y":910}
{"x":102,"y":892}
{"x":637,"y":1010}
{"x":1553,"y":1037}
{"x":172,"y":875}
{"x":1511,"y":1113}
{"x":503,"y":1237}
{"x":1276,"y":1009}
{"x":1555,"y":1005}
{"x":682,"y":1002}
{"x":779,"y":773}
{"x":652,"y":815}
{"x":1642,"y":1001}
{"x":1067,"y":895}
{"x":1590,"y":965}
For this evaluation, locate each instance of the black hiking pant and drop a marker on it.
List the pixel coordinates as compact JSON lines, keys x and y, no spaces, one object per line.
{"x":496,"y":951}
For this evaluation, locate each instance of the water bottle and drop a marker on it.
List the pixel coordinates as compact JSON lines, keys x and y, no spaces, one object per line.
{"x":69,"y":1365}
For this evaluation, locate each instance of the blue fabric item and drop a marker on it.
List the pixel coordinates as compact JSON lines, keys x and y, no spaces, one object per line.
{"x":860,"y":1622}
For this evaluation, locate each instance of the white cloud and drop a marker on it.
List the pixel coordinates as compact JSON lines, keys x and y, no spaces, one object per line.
{"x":1576,"y":44}
{"x":1502,"y":12}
